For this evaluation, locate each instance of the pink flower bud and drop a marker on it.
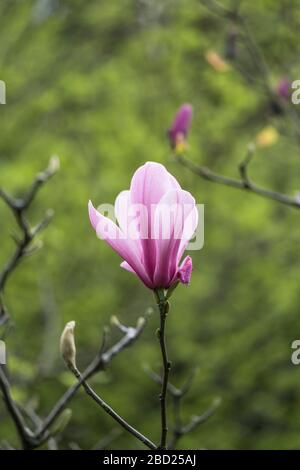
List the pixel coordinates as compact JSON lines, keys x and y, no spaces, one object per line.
{"x":179,"y":130}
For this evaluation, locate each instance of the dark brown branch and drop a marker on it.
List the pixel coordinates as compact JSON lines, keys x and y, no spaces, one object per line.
{"x":30,"y":439}
{"x":108,"y":439}
{"x":25,"y":434}
{"x":258,"y":60}
{"x":109,"y":410}
{"x":100,"y":361}
{"x":195,"y":421}
{"x":18,"y":208}
{"x":24,"y":247}
{"x":40,"y":180}
{"x":263,"y":72}
{"x":244,"y":183}
{"x":177,"y":394}
{"x":157,"y":378}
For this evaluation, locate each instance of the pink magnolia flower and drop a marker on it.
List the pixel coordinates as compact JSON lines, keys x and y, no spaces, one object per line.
{"x":156,"y":220}
{"x":180,"y":127}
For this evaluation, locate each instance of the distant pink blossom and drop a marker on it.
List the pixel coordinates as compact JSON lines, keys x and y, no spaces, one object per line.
{"x":155,"y":260}
{"x":180,"y":126}
{"x":283,"y":88}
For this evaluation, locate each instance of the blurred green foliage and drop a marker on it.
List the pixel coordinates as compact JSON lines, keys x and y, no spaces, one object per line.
{"x":97,"y":83}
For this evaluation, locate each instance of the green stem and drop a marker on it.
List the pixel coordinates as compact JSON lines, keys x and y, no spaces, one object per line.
{"x":163,"y":306}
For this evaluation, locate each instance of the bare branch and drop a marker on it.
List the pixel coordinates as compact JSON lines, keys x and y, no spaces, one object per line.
{"x":109,"y":410}
{"x":174,"y":391}
{"x":32,"y":440}
{"x":18,"y":208}
{"x":261,"y":67}
{"x":242,"y":184}
{"x":104,"y":442}
{"x":4,"y":316}
{"x":177,"y":394}
{"x":24,"y":432}
{"x":24,"y":247}
{"x":195,"y":421}
{"x":40,"y":180}
{"x":99,"y":362}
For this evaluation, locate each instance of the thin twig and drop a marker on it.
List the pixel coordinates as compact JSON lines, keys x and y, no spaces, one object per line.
{"x":158,"y":379}
{"x":23,"y":246}
{"x":30,"y":439}
{"x":177,"y":394}
{"x":109,"y":410}
{"x":258,"y":59}
{"x":4,"y":315}
{"x":100,"y":362}
{"x":194,"y":422}
{"x":25,"y":434}
{"x":42,"y":433}
{"x":19,"y":208}
{"x":108,"y":439}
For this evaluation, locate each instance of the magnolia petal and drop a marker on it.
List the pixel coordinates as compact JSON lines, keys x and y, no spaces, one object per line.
{"x":128,"y":216}
{"x":148,"y":185}
{"x":125,"y":248}
{"x":122,"y":205}
{"x":185,"y":270}
{"x":191,"y":224}
{"x":127,"y":267}
{"x":170,"y":218}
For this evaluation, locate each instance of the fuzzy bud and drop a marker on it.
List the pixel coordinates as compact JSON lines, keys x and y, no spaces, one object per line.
{"x":141,"y":321}
{"x":54,"y":164}
{"x":67,"y":345}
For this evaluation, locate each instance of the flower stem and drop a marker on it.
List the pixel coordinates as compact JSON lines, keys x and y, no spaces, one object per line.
{"x":163,"y":306}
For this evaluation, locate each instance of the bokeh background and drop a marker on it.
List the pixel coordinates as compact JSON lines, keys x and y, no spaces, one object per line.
{"x":97,"y":83}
